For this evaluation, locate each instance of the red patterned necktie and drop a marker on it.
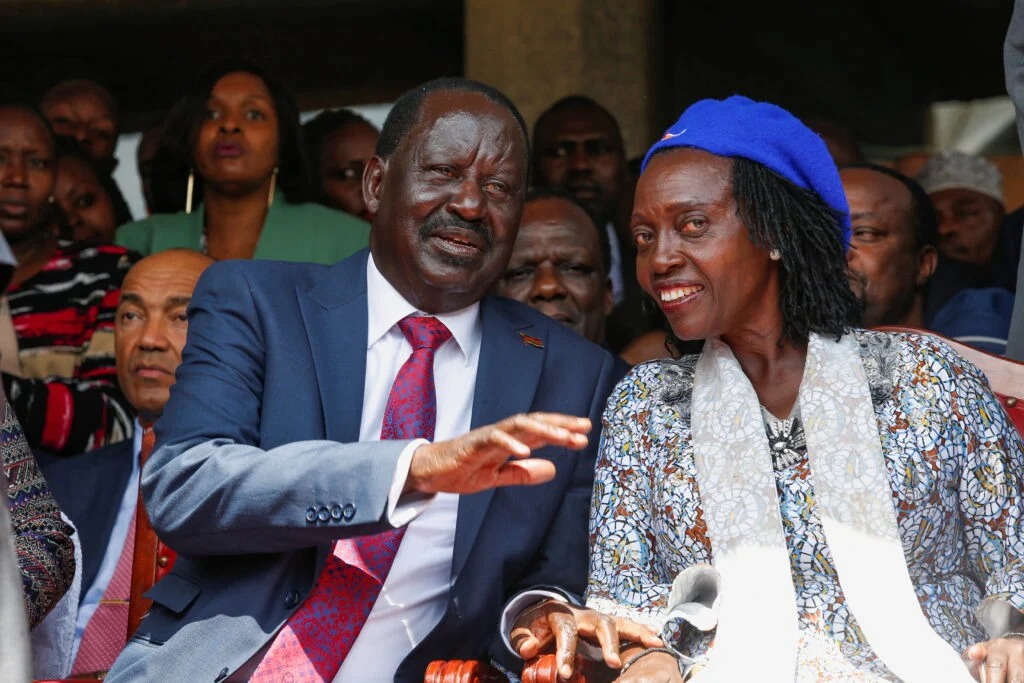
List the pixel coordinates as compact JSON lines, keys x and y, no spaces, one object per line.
{"x":104,"y":635}
{"x":318,"y":636}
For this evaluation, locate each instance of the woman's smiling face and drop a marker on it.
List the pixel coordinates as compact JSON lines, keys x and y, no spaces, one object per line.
{"x":695,"y":256}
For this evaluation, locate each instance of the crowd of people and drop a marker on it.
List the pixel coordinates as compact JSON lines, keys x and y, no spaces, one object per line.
{"x":459,"y":389}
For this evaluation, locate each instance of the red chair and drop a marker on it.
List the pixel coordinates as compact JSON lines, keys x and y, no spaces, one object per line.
{"x":538,"y":670}
{"x":150,"y":562}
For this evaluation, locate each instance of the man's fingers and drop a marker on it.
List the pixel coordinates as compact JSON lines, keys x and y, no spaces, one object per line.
{"x":531,"y":631}
{"x":608,"y":638}
{"x":637,"y":633}
{"x":570,"y":422}
{"x":974,"y":657}
{"x":505,"y":443}
{"x":525,"y":473}
{"x":543,"y":429}
{"x":563,"y":626}
{"x":525,"y":643}
{"x":478,"y":460}
{"x":994,"y":669}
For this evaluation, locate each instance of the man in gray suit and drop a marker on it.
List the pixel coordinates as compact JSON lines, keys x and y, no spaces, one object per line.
{"x":268,"y":455}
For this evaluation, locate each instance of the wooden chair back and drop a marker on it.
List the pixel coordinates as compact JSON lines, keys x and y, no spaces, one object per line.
{"x":150,"y":561}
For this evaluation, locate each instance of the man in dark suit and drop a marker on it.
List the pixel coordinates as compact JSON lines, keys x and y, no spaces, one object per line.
{"x":270,"y":457}
{"x":98,"y":490}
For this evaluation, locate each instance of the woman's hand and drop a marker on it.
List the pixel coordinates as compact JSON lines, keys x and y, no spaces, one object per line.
{"x":1000,"y":660}
{"x":563,"y":624}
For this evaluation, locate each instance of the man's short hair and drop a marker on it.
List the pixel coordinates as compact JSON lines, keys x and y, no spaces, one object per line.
{"x":573,"y":103}
{"x":576,"y":102}
{"x":539,"y":193}
{"x":925,"y":222}
{"x":405,"y":113}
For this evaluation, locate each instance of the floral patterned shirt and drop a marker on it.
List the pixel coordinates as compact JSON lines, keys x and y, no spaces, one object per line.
{"x":955,"y":465}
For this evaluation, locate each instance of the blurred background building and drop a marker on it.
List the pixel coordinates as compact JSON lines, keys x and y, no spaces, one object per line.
{"x":903,"y":77}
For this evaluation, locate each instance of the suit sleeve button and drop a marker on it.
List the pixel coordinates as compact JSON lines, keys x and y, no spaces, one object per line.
{"x":311,"y":515}
{"x":292,"y":599}
{"x":349,"y":511}
{"x":324,"y":515}
{"x":336,"y":513}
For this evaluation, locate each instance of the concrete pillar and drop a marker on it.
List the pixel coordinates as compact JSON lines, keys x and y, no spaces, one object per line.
{"x":537,"y":51}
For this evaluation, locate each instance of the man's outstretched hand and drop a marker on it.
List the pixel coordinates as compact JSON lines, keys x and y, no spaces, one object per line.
{"x":480,"y":459}
{"x":563,"y":625}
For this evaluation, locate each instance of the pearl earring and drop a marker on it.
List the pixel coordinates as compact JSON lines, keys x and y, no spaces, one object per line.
{"x":774,"y":255}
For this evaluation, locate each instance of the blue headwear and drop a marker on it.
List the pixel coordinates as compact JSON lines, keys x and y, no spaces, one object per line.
{"x":767,"y":134}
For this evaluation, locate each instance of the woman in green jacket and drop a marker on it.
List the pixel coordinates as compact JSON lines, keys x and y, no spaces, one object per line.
{"x":237,"y":134}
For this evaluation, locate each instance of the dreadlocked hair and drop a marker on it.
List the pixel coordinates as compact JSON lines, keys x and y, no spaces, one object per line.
{"x":815,"y":294}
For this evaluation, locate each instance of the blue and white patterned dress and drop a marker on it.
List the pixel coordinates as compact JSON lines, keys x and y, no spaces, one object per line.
{"x":955,"y":464}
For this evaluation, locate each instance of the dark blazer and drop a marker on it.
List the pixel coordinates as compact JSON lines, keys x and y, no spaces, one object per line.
{"x":258,"y":468}
{"x":89,"y":489}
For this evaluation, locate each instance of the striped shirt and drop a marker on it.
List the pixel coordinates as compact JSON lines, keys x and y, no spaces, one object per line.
{"x":67,"y":399}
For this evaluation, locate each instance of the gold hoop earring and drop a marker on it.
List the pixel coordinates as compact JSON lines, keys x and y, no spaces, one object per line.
{"x":188,"y":190}
{"x":774,"y":255}
{"x":273,"y":186}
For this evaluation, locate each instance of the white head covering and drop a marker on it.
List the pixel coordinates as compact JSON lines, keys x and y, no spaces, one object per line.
{"x":952,"y":169}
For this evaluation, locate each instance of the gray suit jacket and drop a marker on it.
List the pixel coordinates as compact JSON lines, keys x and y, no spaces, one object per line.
{"x":258,"y":469}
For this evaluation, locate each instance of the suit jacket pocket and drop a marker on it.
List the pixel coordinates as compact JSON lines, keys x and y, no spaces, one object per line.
{"x":174,"y":592}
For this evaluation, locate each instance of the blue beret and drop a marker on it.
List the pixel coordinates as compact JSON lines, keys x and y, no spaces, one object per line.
{"x":767,"y":134}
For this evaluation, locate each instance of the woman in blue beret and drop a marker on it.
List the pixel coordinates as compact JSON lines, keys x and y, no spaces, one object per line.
{"x":803,"y":500}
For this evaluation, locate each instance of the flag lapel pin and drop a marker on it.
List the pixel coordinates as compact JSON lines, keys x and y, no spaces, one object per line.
{"x":531,"y":341}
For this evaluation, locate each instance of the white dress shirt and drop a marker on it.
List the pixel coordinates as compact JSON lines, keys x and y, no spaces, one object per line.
{"x":414,"y":595}
{"x":118,"y":536}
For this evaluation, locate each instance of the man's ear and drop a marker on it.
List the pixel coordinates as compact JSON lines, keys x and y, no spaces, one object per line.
{"x":927,"y":260}
{"x":373,"y":181}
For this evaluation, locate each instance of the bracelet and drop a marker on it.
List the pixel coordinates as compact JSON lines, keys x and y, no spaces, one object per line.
{"x":1012,"y":634}
{"x":652,"y":650}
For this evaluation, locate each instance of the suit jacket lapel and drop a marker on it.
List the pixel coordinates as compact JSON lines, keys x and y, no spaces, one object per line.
{"x":506,"y":381}
{"x":335,"y":315}
{"x":334,"y":312}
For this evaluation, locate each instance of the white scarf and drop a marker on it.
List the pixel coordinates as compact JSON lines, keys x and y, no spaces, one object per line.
{"x":757,"y":622}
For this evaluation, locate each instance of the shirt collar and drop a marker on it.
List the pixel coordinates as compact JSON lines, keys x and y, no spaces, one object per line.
{"x":386,"y":307}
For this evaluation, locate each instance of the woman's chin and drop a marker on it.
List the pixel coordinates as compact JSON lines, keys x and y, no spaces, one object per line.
{"x":233,"y":185}
{"x":17,"y":229}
